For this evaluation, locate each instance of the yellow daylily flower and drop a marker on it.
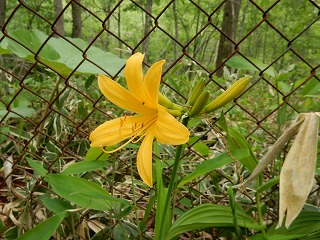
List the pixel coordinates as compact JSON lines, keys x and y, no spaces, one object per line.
{"x":150,"y":121}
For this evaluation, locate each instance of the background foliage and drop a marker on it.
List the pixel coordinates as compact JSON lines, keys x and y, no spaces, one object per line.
{"x":50,"y":102}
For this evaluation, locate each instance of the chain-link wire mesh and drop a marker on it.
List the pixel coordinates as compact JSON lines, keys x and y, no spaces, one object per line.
{"x":47,"y":115}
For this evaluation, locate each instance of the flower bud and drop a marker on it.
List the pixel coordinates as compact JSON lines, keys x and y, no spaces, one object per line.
{"x":174,"y":112}
{"x":231,"y":93}
{"x":164,"y":101}
{"x":196,"y":92}
{"x":200,"y":103}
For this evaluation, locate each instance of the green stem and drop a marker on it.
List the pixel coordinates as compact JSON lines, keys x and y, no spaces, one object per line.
{"x":172,"y":185}
{"x":46,"y":111}
{"x":134,"y":199}
{"x":258,"y":200}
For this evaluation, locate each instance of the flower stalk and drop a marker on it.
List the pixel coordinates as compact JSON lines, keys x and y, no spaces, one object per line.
{"x":172,"y":184}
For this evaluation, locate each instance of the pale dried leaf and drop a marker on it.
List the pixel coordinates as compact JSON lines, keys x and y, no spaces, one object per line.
{"x":7,"y":170}
{"x":275,"y":149}
{"x":96,"y":226}
{"x":84,"y":231}
{"x":13,"y":218}
{"x":297,"y":173}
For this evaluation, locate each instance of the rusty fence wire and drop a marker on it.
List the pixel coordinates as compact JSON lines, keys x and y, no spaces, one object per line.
{"x":67,"y":106}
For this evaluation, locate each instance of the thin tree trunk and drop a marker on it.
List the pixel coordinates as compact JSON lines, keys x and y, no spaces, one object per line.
{"x":229,"y":28}
{"x":76,"y":20}
{"x":176,"y":28}
{"x":119,"y":30}
{"x":196,"y":40}
{"x":60,"y":23}
{"x":3,"y":8}
{"x":147,"y":27}
{"x":107,"y":9}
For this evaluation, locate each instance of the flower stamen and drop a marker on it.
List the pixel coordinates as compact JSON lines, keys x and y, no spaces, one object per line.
{"x":118,"y":148}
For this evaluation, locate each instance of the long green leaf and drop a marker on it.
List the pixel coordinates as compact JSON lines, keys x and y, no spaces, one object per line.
{"x":212,"y":164}
{"x":210,"y":215}
{"x":96,"y":153}
{"x":161,"y":199}
{"x":37,"y":167}
{"x":268,"y":184}
{"x":55,"y":205}
{"x":84,"y":166}
{"x":22,"y":111}
{"x":307,"y":223}
{"x":237,"y":141}
{"x":46,"y":229}
{"x":84,"y":193}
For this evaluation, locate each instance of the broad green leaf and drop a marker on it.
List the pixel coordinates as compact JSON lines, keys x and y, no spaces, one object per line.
{"x":33,"y":40}
{"x":258,"y":237}
{"x":212,"y":164}
{"x":71,"y":56}
{"x":37,"y":167}
{"x":202,"y":148}
{"x":60,"y":55}
{"x":210,"y":215}
{"x":46,"y":229}
{"x":194,"y":122}
{"x":2,"y":227}
{"x":82,"y":192}
{"x":268,"y":184}
{"x":307,"y":223}
{"x":282,"y":114}
{"x":237,"y":141}
{"x":11,"y":233}
{"x":96,"y":153}
{"x":240,"y":62}
{"x":23,"y":111}
{"x":89,"y":81}
{"x":4,"y":49}
{"x":311,"y":87}
{"x":55,"y":205}
{"x":84,"y":166}
{"x":4,"y":131}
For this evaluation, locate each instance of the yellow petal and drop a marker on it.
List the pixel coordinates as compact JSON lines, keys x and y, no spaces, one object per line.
{"x":117,"y":130}
{"x":134,"y":75}
{"x":121,"y":96}
{"x":144,"y":159}
{"x":169,"y":130}
{"x":152,"y":81}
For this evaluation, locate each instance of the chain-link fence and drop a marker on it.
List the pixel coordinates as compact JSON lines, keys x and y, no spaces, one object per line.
{"x":50,"y":102}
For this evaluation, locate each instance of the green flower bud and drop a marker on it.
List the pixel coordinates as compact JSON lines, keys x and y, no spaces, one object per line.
{"x":196,"y":92}
{"x":200,"y":103}
{"x":231,"y":93}
{"x":164,"y":101}
{"x":174,"y":112}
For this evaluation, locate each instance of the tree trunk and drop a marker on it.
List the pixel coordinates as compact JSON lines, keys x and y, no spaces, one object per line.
{"x":60,"y":23}
{"x":3,"y":7}
{"x":176,"y":28}
{"x":229,"y":28}
{"x":147,"y":27}
{"x":119,"y":31}
{"x":76,"y":20}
